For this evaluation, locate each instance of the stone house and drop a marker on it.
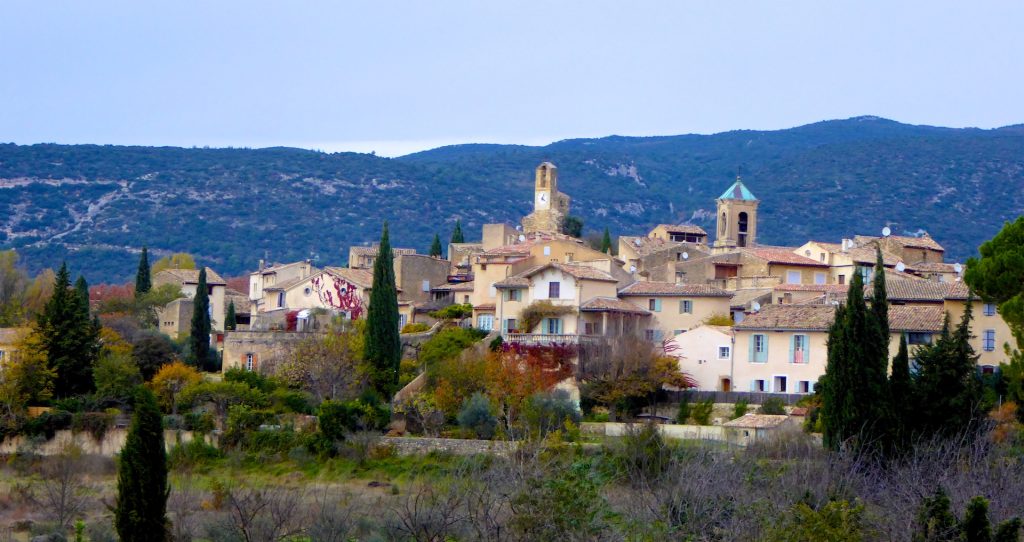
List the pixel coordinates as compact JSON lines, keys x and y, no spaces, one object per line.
{"x":782,"y":348}
{"x":9,"y":337}
{"x":675,"y":308}
{"x":706,"y":354}
{"x":362,"y":257}
{"x":266,"y":277}
{"x":188,"y":280}
{"x":680,"y":233}
{"x":991,"y":333}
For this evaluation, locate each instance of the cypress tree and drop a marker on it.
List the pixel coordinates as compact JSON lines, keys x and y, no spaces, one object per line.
{"x":976,"y":527}
{"x":230,"y":320}
{"x":140,"y":512}
{"x":606,"y":242}
{"x":142,"y":280}
{"x":82,"y":289}
{"x":199,"y":339}
{"x":69,"y":337}
{"x":383,"y":348}
{"x":901,"y":393}
{"x":435,"y":247}
{"x":949,"y":389}
{"x":855,"y":390}
{"x":877,"y":370}
{"x":1008,"y":531}
{"x":457,"y":236}
{"x":935,"y":520}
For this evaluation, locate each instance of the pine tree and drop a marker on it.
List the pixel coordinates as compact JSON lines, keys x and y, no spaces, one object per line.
{"x":82,"y":289}
{"x":140,"y":512}
{"x":383,"y":348}
{"x":142,"y":280}
{"x":935,"y":520}
{"x":1008,"y":531}
{"x":457,"y":236}
{"x":901,"y":393}
{"x":69,"y":337}
{"x":230,"y":320}
{"x":199,"y":339}
{"x":976,"y":527}
{"x":949,"y":391}
{"x":855,"y":390}
{"x":606,"y":242}
{"x":435,"y":247}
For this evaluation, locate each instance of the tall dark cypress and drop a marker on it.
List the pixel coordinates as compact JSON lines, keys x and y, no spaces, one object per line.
{"x":69,"y":336}
{"x":457,"y":236}
{"x":901,"y":394}
{"x":435,"y":247}
{"x":877,"y":372}
{"x":143,"y":283}
{"x":199,"y":339}
{"x":230,"y":319}
{"x":383,"y":345}
{"x":140,"y":512}
{"x":606,"y":242}
{"x":949,"y":391}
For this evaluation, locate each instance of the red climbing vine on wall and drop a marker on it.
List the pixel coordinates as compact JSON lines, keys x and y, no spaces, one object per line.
{"x":337,"y":293}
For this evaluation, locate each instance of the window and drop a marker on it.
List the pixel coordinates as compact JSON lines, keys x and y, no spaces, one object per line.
{"x":280,"y":299}
{"x":554,"y":290}
{"x":989,"y":340}
{"x":680,"y":276}
{"x":685,"y":306}
{"x":842,"y":279}
{"x":798,"y":349}
{"x":804,"y":386}
{"x":568,"y":256}
{"x":823,"y":257}
{"x":865,"y":273}
{"x":465,"y":298}
{"x":819,"y":278}
{"x":307,"y":290}
{"x":792,"y":277}
{"x":987,"y":370}
{"x":250,"y":361}
{"x":919,"y":338}
{"x":485,"y":322}
{"x":758,"y":348}
{"x":779,"y":384}
{"x":592,"y":328}
{"x":513,"y":295}
{"x":989,"y":309}
{"x":757,"y":385}
{"x":653,"y":334}
{"x":547,"y":251}
{"x":510,"y":324}
{"x":553,"y":325}
{"x":724,"y":352}
{"x":654,"y":305}
{"x":426,"y":286}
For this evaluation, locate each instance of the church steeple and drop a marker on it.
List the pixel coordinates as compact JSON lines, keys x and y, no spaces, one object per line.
{"x":737,"y":217}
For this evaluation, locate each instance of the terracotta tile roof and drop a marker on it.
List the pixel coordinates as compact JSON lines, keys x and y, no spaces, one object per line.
{"x":274,"y":268}
{"x":373,"y":249}
{"x":683,"y":228}
{"x":513,"y":282}
{"x":833,"y":288}
{"x":819,"y":318}
{"x":673,"y":289}
{"x":530,"y":239}
{"x":582,"y":272}
{"x":782,"y":256}
{"x":924,"y":241}
{"x":454,"y":287}
{"x":913,"y":289}
{"x":611,"y":304}
{"x":957,"y":291}
{"x":191,"y":276}
{"x":757,"y":421}
{"x":359,"y":277}
{"x":645,"y":246}
{"x":933,"y":267}
{"x":241,"y":301}
{"x":484,"y":307}
{"x":744,"y":297}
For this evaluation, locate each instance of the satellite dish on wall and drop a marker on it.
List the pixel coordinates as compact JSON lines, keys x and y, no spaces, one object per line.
{"x":632,"y":269}
{"x":958,"y":268}
{"x":755,"y":306}
{"x":886,"y":232}
{"x":522,"y":238}
{"x":900,"y":266}
{"x":686,"y":255}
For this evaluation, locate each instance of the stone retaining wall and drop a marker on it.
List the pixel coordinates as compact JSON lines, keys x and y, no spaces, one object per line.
{"x":425,"y":445}
{"x":686,"y":432}
{"x":108,"y":446}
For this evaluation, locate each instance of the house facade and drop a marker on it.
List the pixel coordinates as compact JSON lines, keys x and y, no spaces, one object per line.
{"x":188,"y":281}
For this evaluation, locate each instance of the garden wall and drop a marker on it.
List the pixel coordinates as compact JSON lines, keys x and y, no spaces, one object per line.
{"x":687,"y":432}
{"x":425,"y":445}
{"x":109,"y":445}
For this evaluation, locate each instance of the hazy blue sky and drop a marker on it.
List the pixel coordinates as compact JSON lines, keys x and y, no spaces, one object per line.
{"x":400,"y":76}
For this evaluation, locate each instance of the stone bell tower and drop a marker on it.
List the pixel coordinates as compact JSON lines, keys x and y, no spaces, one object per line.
{"x":550,"y":207}
{"x":737,"y":217}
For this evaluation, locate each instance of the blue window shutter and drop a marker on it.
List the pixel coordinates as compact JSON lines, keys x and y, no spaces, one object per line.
{"x":764,"y":356}
{"x":792,"y":347}
{"x":657,"y":305}
{"x":753,"y":339}
{"x":807,"y":348}
{"x":753,"y":385}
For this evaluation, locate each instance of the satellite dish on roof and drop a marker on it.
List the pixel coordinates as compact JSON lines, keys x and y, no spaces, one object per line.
{"x":755,"y":306}
{"x":632,"y":269}
{"x":886,"y":232}
{"x":958,"y":268}
{"x":637,"y":242}
{"x":900,"y":266}
{"x":686,"y":255}
{"x":522,"y":238}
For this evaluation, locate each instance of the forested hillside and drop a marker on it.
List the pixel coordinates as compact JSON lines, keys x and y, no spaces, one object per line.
{"x":94,"y":205}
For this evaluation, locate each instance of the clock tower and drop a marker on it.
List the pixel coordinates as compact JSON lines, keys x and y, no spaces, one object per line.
{"x":550,"y":206}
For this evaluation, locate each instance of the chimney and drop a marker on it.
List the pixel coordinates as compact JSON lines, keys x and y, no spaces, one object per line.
{"x":263,"y":264}
{"x":847,"y":244}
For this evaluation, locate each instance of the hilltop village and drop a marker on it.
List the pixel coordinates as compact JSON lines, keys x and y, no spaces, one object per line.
{"x":739,"y":315}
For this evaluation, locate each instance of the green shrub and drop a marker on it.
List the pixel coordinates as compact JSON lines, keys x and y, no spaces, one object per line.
{"x":496,"y":344}
{"x":477,"y":415}
{"x":287,"y":400}
{"x":339,"y":418}
{"x":683,"y":414}
{"x":46,"y":424}
{"x":253,"y":379}
{"x":447,"y":344}
{"x":772,"y":405}
{"x":454,"y":312}
{"x":740,"y":408}
{"x":548,"y":411}
{"x":199,"y":422}
{"x":279,"y":441}
{"x":242,"y":421}
{"x":94,"y":423}
{"x":192,"y":453}
{"x":415,"y":327}
{"x":702,"y":412}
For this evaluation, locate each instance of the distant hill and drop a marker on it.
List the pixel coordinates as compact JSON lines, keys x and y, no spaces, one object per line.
{"x":95,"y":205}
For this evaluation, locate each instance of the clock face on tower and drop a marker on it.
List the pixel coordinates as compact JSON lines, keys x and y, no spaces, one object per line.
{"x":543,"y":200}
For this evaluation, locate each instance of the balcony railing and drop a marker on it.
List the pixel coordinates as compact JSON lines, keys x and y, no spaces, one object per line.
{"x":546,"y":339}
